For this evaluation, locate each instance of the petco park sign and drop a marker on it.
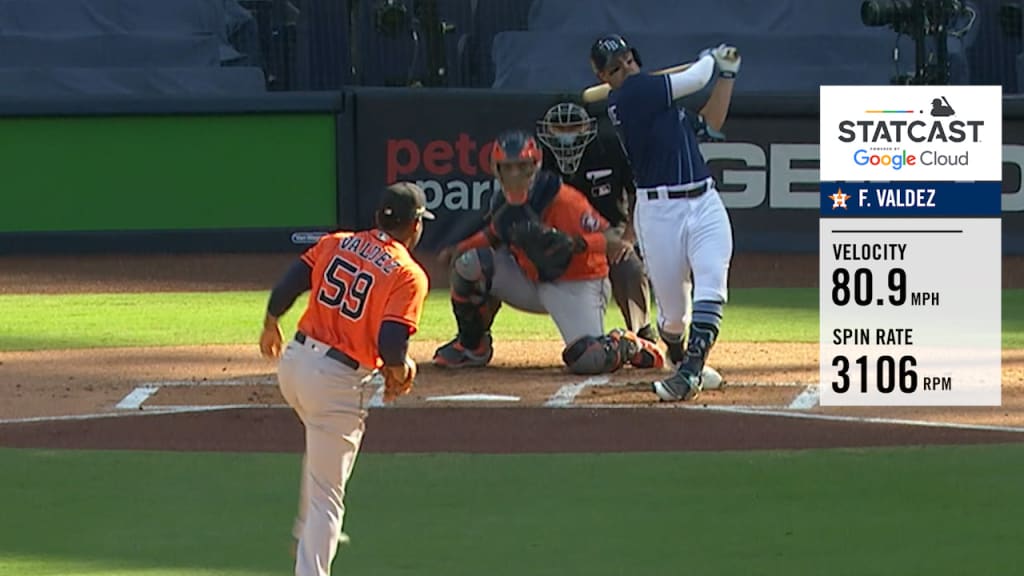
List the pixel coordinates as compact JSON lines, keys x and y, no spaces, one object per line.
{"x":456,"y":174}
{"x":786,"y":175}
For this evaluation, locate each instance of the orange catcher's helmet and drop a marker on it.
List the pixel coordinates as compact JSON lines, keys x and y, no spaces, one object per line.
{"x":515,"y":159}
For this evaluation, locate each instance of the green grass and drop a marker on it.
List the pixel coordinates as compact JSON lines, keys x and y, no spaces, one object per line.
{"x":34,"y":322}
{"x":935,"y":511}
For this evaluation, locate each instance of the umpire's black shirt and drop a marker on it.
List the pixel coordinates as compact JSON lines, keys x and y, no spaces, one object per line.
{"x":604,"y":176}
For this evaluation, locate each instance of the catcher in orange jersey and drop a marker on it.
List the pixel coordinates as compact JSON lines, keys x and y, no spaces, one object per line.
{"x":543,"y":249}
{"x":366,"y":295}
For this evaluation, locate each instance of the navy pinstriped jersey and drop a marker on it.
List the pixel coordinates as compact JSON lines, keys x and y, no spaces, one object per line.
{"x":659,"y":137}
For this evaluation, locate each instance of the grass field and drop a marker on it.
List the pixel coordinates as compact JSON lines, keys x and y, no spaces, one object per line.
{"x":935,"y":511}
{"x":892,"y":512}
{"x":166,"y":319}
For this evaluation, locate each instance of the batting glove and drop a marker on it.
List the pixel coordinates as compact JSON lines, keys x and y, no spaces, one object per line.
{"x":727,"y":58}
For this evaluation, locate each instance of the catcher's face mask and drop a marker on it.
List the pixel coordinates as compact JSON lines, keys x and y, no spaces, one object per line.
{"x":515,"y":160}
{"x":567,"y":130}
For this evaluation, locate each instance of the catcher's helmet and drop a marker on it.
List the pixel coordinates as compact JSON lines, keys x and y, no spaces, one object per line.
{"x":515,"y":160}
{"x":608,"y":47}
{"x":566,"y":129}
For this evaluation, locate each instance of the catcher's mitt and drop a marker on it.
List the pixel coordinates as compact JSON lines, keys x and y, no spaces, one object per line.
{"x":394,"y":384}
{"x":549,"y":249}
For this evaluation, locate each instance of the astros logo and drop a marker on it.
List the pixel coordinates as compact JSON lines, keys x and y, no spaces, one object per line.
{"x":839,"y":199}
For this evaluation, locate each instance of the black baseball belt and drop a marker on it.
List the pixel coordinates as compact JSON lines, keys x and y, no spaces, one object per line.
{"x":676,"y":194}
{"x":332,"y":353}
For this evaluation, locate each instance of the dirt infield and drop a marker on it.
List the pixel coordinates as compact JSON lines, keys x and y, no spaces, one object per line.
{"x":225,"y":398}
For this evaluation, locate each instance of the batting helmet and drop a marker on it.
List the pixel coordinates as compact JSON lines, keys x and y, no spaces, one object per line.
{"x":515,"y":160}
{"x":606,"y":48}
{"x":566,"y":129}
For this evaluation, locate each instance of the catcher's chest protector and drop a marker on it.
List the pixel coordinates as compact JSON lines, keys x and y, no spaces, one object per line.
{"x":505,"y":216}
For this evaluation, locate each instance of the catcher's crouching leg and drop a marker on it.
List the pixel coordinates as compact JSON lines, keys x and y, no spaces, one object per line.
{"x":474,"y":309}
{"x":608,"y":353}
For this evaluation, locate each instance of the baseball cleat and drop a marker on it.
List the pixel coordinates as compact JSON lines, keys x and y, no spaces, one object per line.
{"x":648,"y":355}
{"x":455,"y":355}
{"x":636,"y":351}
{"x":678,"y":387}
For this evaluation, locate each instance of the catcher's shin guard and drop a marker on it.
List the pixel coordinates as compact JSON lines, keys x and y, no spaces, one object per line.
{"x":454,"y":355}
{"x":471,"y":274}
{"x":590,"y":355}
{"x":472,"y":304}
{"x":474,"y":320}
{"x":608,"y":353}
{"x":639,"y":352}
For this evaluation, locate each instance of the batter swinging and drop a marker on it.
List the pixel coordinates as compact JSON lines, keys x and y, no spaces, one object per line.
{"x":681,"y":223}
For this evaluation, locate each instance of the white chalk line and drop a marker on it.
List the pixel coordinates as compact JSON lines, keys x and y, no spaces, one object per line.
{"x":375,"y":379}
{"x":135,"y":399}
{"x":377,"y":400}
{"x":566,"y":395}
{"x":805,"y":400}
{"x":152,"y":411}
{"x":775,"y":411}
{"x":855,"y":419}
{"x":235,"y":382}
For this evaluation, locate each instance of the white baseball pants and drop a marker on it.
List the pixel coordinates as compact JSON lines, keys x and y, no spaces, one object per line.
{"x":678,"y":236}
{"x":329,"y":399}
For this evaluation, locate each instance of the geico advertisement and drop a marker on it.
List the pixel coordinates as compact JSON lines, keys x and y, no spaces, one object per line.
{"x":920,"y":133}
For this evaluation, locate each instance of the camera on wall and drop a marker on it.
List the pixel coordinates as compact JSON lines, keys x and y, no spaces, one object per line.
{"x":921,"y":20}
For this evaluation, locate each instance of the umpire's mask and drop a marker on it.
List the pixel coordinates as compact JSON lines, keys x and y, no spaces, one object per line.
{"x":566,"y":129}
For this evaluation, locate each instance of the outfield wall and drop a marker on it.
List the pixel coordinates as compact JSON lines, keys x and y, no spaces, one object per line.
{"x":168,"y":175}
{"x":271,"y":173}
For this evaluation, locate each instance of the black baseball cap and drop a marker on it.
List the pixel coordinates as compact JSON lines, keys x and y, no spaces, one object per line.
{"x":402,"y":203}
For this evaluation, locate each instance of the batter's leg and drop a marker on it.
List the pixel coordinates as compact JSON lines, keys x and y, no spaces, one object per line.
{"x":674,"y":341}
{"x":662,"y":241}
{"x":709,"y":239}
{"x":632,"y":293}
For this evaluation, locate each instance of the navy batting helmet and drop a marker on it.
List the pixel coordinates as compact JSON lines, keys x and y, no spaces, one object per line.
{"x":608,"y":47}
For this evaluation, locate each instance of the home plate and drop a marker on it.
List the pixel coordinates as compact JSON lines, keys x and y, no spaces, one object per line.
{"x":473,"y":398}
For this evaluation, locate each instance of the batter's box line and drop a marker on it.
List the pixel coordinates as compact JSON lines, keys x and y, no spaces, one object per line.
{"x":807,"y":399}
{"x":142,"y":392}
{"x":767,"y":411}
{"x":153,"y":411}
{"x":565,"y":396}
{"x":654,"y":404}
{"x":266,"y":381}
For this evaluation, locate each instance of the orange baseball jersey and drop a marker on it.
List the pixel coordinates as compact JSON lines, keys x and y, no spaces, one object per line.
{"x":567,"y":210}
{"x":572,"y":213}
{"x":361,"y":279}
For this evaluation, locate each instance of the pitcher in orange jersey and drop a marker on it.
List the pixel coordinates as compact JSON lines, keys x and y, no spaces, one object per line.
{"x":489,"y":269}
{"x":366,"y":295}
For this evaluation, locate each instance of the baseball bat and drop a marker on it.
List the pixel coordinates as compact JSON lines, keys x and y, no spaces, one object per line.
{"x":599,"y":92}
